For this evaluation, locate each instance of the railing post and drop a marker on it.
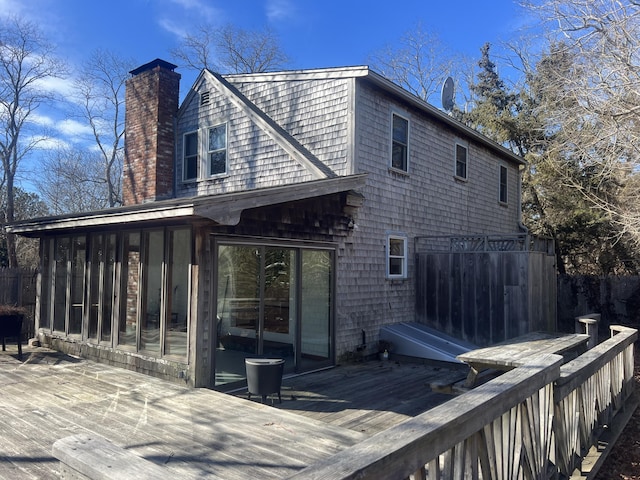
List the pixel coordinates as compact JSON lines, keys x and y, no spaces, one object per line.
{"x":589,"y":324}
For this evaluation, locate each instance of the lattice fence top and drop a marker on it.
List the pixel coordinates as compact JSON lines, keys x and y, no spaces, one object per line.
{"x":485,"y":243}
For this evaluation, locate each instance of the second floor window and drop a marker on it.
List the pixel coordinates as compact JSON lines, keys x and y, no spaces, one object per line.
{"x":205,"y":153}
{"x":461,"y":161}
{"x":502,"y":191}
{"x":400,"y":143}
{"x":190,"y":166}
{"x":217,"y":150}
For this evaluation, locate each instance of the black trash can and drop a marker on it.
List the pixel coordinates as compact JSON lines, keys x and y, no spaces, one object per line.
{"x":264,"y":376}
{"x":11,"y":327}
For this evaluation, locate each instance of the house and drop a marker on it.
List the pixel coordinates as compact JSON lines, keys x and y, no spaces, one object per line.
{"x":272,"y":213}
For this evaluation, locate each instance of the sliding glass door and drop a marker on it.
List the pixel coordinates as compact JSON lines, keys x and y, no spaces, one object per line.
{"x":315,"y":320}
{"x":261,"y":311}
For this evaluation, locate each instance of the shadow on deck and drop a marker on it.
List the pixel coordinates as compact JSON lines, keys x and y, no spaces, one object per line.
{"x":367,"y":397}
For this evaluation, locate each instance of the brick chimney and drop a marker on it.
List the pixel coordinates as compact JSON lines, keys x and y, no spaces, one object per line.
{"x":151,"y":104}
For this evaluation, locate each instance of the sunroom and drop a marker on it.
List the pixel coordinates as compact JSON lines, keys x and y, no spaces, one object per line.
{"x":186,"y":289}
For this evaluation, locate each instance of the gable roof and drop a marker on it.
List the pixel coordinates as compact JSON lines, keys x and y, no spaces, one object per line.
{"x":368,"y":75}
{"x":286,"y":141}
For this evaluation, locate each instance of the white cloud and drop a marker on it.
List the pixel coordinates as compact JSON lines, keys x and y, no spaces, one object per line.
{"x":50,"y":143}
{"x":72,"y":128}
{"x":39,"y":12}
{"x":59,"y":86}
{"x":12,"y":7}
{"x":41,"y":120}
{"x":178,"y":17}
{"x":279,"y":10}
{"x":176,"y":28}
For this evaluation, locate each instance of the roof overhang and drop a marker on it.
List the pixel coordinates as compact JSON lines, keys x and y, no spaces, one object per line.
{"x":224,"y":209}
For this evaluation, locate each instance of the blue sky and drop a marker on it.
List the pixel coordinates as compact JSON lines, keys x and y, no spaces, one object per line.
{"x":314,"y":34}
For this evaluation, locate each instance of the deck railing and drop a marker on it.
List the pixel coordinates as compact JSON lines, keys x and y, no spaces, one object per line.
{"x":536,"y":421}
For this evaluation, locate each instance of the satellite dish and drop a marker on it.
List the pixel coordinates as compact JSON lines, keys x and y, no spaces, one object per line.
{"x":447,"y":94}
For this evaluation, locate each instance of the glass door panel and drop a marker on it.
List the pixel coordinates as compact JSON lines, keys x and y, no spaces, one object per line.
{"x":152,"y":297}
{"x":238,"y":310}
{"x":48,"y":253}
{"x":108,"y":282}
{"x":60,"y":293}
{"x":178,"y":293}
{"x":97,"y":254}
{"x":78,"y":261}
{"x":127,"y":330}
{"x":278,"y":338}
{"x":315,"y":304}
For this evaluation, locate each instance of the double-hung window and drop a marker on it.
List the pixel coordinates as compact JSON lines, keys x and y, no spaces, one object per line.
{"x":400,"y":143}
{"x":217,"y":150}
{"x":205,"y":153}
{"x":396,"y":256}
{"x":190,"y":163}
{"x":461,"y":161}
{"x":502,"y":189}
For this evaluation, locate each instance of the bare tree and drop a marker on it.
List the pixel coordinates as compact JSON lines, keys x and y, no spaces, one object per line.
{"x":27,"y":205}
{"x":27,"y":61}
{"x":100,"y":92}
{"x":73,"y":181}
{"x":420,"y":64}
{"x":598,"y":137}
{"x":230,"y":49}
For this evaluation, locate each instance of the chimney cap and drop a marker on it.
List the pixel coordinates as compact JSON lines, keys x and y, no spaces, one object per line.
{"x":153,"y":64}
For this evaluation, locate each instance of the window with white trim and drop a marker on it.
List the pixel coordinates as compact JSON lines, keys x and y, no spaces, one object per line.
{"x":502,"y":189}
{"x":461,"y":161}
{"x":396,"y":256}
{"x":400,"y":143}
{"x":190,"y":156}
{"x":217,"y":150}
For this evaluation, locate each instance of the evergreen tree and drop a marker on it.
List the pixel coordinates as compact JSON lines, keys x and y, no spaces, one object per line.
{"x":535,"y":122}
{"x":492,"y":111}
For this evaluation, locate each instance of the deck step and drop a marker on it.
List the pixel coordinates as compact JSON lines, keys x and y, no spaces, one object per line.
{"x":89,"y":456}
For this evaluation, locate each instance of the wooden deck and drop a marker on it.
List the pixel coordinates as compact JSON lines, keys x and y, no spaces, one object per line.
{"x":365,"y":397}
{"x":47,"y":396}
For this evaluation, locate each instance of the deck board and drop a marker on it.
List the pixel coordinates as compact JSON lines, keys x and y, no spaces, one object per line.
{"x":368,"y":397}
{"x":47,"y":396}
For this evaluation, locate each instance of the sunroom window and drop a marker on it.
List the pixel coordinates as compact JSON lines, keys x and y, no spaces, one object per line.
{"x":146,"y":311}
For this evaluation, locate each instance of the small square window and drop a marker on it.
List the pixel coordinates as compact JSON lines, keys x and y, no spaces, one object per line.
{"x":461,"y":161}
{"x":217,"y":150}
{"x":400,"y":143}
{"x":190,"y":165}
{"x":502,"y":193}
{"x":396,"y":257}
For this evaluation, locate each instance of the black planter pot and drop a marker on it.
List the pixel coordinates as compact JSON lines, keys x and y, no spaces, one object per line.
{"x":264,"y":376}
{"x":11,"y":327}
